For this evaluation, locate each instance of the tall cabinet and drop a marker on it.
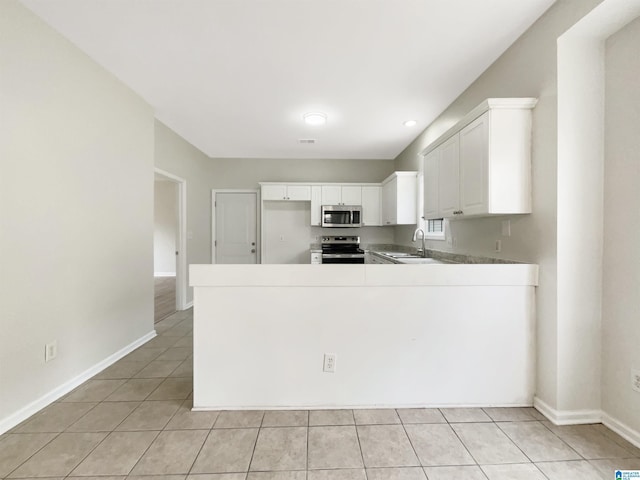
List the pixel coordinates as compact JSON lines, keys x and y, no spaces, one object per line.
{"x":482,"y":165}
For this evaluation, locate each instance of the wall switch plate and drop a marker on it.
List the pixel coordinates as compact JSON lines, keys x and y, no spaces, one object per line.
{"x":50,"y":351}
{"x":506,"y":228}
{"x":329,"y":363}
{"x":635,"y":380}
{"x":498,"y":246}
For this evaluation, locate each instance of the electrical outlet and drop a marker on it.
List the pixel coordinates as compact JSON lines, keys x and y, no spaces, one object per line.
{"x":329,"y":363}
{"x":50,"y":351}
{"x":498,"y":246}
{"x":635,"y":380}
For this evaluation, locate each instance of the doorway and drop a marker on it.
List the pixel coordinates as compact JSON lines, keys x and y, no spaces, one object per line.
{"x":169,"y":248}
{"x":234,"y":226}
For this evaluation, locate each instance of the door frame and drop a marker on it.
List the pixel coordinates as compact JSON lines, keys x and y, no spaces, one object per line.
{"x":181,"y":240}
{"x":214,"y":192}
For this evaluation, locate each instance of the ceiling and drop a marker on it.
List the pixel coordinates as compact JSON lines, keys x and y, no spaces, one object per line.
{"x":234,"y":77}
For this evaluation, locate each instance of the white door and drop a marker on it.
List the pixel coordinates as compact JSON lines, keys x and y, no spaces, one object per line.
{"x":235,"y":223}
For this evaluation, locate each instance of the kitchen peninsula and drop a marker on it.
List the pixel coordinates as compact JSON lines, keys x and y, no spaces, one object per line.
{"x":401,"y":335}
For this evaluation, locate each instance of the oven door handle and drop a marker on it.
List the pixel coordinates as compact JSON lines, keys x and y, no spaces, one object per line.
{"x":343,"y":255}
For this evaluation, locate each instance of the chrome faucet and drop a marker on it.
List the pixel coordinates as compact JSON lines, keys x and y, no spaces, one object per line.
{"x":422,"y":251}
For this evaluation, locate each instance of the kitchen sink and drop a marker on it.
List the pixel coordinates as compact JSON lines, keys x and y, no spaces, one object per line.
{"x":418,"y":260}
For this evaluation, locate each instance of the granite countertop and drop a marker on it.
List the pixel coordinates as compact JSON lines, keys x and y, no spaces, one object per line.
{"x":445,"y":257}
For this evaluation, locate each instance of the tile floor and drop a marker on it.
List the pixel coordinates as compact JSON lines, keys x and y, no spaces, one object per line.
{"x":133,"y":421}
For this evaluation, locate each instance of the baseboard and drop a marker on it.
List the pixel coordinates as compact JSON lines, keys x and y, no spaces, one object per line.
{"x":567,"y":417}
{"x":164,"y":274}
{"x":628,"y":433}
{"x":25,"y":412}
{"x":188,"y":305}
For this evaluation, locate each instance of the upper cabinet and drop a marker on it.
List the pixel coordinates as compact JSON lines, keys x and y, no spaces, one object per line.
{"x":371,"y":203}
{"x":300,"y":193}
{"x":482,"y":165}
{"x":399,"y":199}
{"x":341,"y":195}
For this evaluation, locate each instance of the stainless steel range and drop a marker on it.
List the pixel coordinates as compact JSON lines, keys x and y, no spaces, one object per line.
{"x":341,"y":250}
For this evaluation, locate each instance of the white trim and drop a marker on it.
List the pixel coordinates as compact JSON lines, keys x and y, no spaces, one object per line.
{"x":312,"y":406}
{"x":181,"y":244}
{"x":626,"y":432}
{"x":258,"y":217}
{"x":189,"y":305}
{"x":164,"y":274}
{"x":21,"y":415}
{"x":567,"y":417}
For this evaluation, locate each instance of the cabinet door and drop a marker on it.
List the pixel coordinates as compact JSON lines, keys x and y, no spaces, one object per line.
{"x":474,"y":157}
{"x":431,"y":187}
{"x":371,"y":199}
{"x":351,"y":195}
{"x":316,"y":205}
{"x":274,"y":192}
{"x":449,"y":177}
{"x":300,"y":193}
{"x":390,"y":202}
{"x":331,"y":194}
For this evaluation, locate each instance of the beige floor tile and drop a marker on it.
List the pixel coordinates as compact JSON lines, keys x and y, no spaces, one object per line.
{"x":340,"y":474}
{"x":55,"y":418}
{"x":577,"y":469}
{"x":292,"y":475}
{"x":144,"y":354}
{"x":437,"y":444}
{"x":286,"y":418}
{"x":462,"y":415}
{"x":135,"y":389}
{"x":117,"y":454}
{"x":226,"y":450}
{"x":93,"y":391}
{"x":239,"y":419}
{"x":406,"y":473}
{"x":154,"y":477}
{"x":280,"y":448}
{"x":184,"y":342}
{"x":386,"y":446}
{"x":16,"y":448}
{"x":421,"y":415}
{"x":105,"y":417}
{"x":210,"y":476}
{"x":158,"y":368}
{"x":379,"y":416}
{"x":537,"y":442}
{"x":331,"y":417}
{"x":185,"y":419}
{"x":334,"y":447}
{"x":608,"y":466}
{"x":488,"y":444}
{"x":172,"y":389}
{"x":185,"y":369}
{"x":535,"y":414}
{"x":611,"y":435}
{"x":172,"y":452}
{"x":510,"y":414}
{"x":588,"y":441}
{"x":455,"y":473}
{"x":100,"y":477}
{"x":515,"y":471}
{"x":60,"y":456}
{"x":161,"y":342}
{"x":150,"y":416}
{"x":176,"y":353}
{"x":120,"y":369}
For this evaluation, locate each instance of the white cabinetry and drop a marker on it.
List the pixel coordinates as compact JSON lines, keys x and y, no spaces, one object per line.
{"x":371,"y":203}
{"x":483,"y":163}
{"x":341,"y":195}
{"x":316,"y":205}
{"x":300,"y":193}
{"x":399,"y":199}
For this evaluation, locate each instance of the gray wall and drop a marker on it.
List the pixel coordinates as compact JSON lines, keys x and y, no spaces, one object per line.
{"x":621,"y":267}
{"x":76,"y":212}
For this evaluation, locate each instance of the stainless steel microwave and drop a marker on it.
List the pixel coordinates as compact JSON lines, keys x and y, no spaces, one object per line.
{"x":343,"y":216}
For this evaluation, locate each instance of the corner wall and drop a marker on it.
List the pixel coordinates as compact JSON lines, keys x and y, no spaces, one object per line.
{"x":76,"y":214}
{"x":621,"y":266}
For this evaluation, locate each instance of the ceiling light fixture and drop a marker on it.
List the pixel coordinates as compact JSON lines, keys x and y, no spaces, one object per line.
{"x":315,"y":118}
{"x":410,"y":123}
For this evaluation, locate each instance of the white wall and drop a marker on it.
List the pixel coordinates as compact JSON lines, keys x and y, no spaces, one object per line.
{"x":165,"y":227}
{"x":526,"y":69}
{"x":76,"y":212}
{"x":621,"y":278}
{"x":175,"y":155}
